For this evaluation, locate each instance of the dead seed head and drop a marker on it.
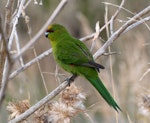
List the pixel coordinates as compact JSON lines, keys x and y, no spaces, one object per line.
{"x":144,"y":105}
{"x":61,"y":113}
{"x":72,"y":95}
{"x":69,"y":104}
{"x":17,"y":108}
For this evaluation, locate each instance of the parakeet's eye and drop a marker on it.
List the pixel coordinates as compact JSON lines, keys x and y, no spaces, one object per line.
{"x":48,"y":32}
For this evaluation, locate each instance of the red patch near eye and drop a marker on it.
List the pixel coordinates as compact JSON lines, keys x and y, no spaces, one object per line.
{"x":50,"y":30}
{"x":72,"y":65}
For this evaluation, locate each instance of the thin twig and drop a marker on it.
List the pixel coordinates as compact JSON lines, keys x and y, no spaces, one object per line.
{"x":18,"y":47}
{"x":89,"y":117}
{"x":7,"y":66}
{"x":117,"y":33}
{"x":137,"y":23}
{"x":97,"y":27}
{"x":44,"y":82}
{"x":15,"y":22}
{"x":118,"y":6}
{"x":6,"y":73}
{"x":9,"y":8}
{"x":110,"y":32}
{"x":110,"y":53}
{"x":125,"y":10}
{"x":144,"y":74}
{"x":6,"y":27}
{"x":38,"y":58}
{"x":103,"y":27}
{"x":2,"y":52}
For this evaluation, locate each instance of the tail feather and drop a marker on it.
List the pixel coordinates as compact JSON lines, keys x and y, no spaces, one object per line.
{"x":97,"y":83}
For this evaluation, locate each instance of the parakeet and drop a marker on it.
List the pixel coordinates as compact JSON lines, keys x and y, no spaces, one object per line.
{"x":73,"y":56}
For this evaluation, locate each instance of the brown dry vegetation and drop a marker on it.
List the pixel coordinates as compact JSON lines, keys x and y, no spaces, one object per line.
{"x":123,"y":74}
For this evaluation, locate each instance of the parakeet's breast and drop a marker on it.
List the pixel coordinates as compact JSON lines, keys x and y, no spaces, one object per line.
{"x":58,"y":56}
{"x":63,"y":59}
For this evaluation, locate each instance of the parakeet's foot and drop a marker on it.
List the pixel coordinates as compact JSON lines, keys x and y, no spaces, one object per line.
{"x":71,"y":79}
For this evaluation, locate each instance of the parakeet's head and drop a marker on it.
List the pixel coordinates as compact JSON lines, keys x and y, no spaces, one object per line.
{"x":55,"y":31}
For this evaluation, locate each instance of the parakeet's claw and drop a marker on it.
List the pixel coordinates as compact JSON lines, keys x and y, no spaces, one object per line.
{"x":71,"y":79}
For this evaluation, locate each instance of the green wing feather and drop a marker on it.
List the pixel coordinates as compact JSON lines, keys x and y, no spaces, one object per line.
{"x":81,"y":55}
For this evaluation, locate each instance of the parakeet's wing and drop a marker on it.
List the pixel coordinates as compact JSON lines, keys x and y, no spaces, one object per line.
{"x":76,"y":53}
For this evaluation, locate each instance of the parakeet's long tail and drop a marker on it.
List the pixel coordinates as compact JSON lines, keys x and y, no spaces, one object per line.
{"x":97,"y":83}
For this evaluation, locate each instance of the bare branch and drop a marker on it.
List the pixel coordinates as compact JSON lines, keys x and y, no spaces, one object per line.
{"x":144,"y":74}
{"x":39,"y":67}
{"x":97,"y":27}
{"x":34,"y":39}
{"x":38,"y":58}
{"x":15,"y":22}
{"x":40,"y":103}
{"x":7,"y":45}
{"x":110,"y":53}
{"x":117,"y":33}
{"x":137,"y":23}
{"x":9,"y":7}
{"x":6,"y":27}
{"x":7,"y":66}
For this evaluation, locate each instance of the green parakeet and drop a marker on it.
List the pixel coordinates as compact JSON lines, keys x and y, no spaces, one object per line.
{"x":73,"y":56}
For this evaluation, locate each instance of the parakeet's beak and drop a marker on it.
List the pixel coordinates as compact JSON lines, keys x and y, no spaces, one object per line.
{"x":46,"y":34}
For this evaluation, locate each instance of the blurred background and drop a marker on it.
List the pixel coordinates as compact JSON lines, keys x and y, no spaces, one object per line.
{"x":128,"y":65}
